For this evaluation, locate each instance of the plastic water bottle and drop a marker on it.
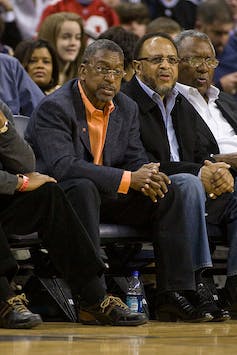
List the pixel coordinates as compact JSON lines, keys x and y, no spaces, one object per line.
{"x":134,"y":298}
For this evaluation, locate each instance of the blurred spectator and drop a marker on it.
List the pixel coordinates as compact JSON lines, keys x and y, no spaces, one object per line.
{"x":40,"y":61}
{"x":17,"y":89}
{"x":126,"y":40}
{"x":97,"y":16}
{"x":27,"y":14}
{"x":9,"y":29}
{"x":3,"y":47}
{"x":215,"y":19}
{"x":164,"y":24}
{"x":133,"y":17}
{"x":64,"y":31}
{"x":233,"y":8}
{"x":182,"y":11}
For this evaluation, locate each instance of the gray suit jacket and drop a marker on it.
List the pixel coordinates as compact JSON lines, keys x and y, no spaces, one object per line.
{"x":16,"y":156}
{"x":58,"y":133}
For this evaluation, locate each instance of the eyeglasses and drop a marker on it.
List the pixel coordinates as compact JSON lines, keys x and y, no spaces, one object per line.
{"x":159,"y":59}
{"x":195,"y":62}
{"x":118,"y":73}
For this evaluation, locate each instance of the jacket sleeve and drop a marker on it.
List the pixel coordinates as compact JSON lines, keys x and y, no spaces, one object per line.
{"x":16,"y":156}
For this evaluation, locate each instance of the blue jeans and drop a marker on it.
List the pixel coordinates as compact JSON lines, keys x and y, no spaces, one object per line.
{"x":193,"y":198}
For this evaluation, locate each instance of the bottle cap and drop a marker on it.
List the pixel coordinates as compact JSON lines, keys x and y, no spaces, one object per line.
{"x":135,"y":273}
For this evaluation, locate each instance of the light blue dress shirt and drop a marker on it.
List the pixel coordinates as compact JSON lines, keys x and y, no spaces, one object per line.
{"x":166,"y":114}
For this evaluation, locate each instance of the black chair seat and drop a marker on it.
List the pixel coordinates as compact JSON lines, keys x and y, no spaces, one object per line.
{"x":111,"y":233}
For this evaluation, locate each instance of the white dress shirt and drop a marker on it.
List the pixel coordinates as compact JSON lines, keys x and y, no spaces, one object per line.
{"x":223,"y":132}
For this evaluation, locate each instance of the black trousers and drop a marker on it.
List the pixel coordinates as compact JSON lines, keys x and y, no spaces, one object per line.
{"x":171,"y":247}
{"x":47,"y":211}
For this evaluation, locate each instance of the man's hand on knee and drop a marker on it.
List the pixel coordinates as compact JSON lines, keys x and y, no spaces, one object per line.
{"x":150,"y":181}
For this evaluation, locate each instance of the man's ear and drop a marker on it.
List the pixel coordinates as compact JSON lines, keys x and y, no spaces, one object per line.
{"x":82,"y":71}
{"x":137,"y":66}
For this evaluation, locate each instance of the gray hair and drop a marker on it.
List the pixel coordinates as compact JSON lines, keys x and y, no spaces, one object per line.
{"x":101,"y":44}
{"x":191,"y":34}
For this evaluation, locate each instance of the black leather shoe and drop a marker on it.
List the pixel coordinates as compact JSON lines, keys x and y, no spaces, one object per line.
{"x":207,"y":303}
{"x":18,"y":316}
{"x":111,"y":311}
{"x":173,"y":307}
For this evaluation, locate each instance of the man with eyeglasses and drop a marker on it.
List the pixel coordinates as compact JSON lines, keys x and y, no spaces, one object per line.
{"x":169,"y":131}
{"x":218,"y":123}
{"x":87,"y":135}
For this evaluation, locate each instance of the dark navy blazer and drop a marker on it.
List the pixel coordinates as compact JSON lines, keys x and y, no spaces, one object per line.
{"x":58,"y":133}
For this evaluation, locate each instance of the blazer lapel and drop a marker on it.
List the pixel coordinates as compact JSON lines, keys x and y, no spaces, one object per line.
{"x":81,"y":118}
{"x":111,"y":141}
{"x":145,"y":103}
{"x":227,"y":113}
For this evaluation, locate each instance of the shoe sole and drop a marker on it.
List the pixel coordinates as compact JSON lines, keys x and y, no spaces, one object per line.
{"x":120,"y":324}
{"x":27,"y":325}
{"x":89,"y":319}
{"x":221,"y":319}
{"x":164,"y":316}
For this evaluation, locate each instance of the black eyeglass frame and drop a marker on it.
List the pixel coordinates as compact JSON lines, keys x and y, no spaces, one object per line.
{"x":173,"y":60}
{"x":208,"y":61}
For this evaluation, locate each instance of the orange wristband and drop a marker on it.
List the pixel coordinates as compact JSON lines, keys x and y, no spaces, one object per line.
{"x":25,"y":182}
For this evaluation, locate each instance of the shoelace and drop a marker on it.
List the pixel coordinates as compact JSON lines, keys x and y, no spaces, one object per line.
{"x":5,"y":308}
{"x":19,"y":303}
{"x":205,"y":294}
{"x":184,"y":303}
{"x":112,"y":301}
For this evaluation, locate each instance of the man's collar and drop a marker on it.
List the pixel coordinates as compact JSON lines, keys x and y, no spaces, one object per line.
{"x":188,"y":91}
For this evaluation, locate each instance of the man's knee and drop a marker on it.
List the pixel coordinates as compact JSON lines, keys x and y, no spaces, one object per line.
{"x":81,"y":191}
{"x":188,"y":183}
{"x":82,"y":185}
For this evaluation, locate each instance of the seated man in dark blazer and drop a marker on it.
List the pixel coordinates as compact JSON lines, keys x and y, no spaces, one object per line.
{"x":86,"y":135}
{"x":33,"y":202}
{"x":169,"y":127}
{"x":217,"y":110}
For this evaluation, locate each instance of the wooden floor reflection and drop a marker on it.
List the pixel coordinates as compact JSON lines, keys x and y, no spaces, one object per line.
{"x":152,"y":338}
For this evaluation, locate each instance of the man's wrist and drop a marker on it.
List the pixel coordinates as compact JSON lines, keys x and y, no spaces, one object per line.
{"x":23,"y":182}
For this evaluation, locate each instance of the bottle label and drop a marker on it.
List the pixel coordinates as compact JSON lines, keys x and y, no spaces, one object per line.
{"x":134,"y":303}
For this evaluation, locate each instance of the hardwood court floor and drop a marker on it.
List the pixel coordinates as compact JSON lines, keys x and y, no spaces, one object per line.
{"x":152,"y":338}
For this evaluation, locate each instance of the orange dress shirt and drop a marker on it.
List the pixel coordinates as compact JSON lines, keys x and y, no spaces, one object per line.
{"x":97,"y":121}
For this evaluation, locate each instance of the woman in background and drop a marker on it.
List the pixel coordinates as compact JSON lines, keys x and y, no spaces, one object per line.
{"x":65,"y":32}
{"x":40,"y":61}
